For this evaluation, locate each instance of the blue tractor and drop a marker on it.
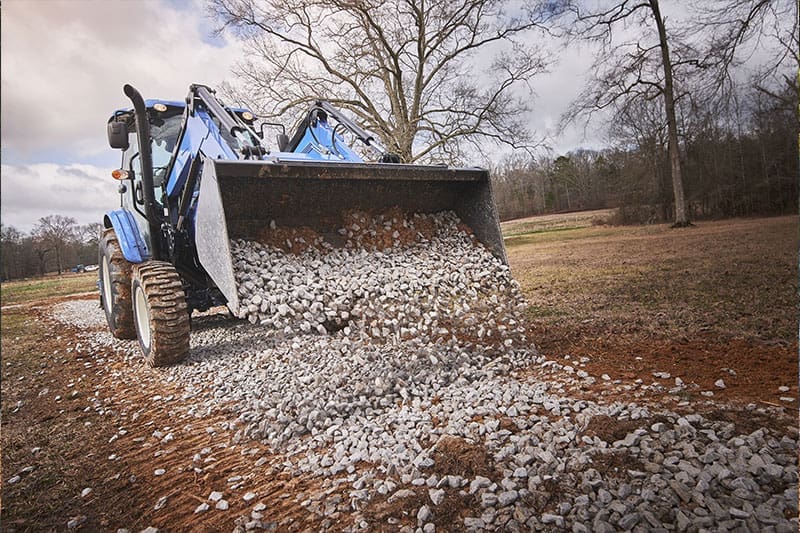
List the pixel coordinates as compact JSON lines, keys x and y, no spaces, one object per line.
{"x":196,"y":174}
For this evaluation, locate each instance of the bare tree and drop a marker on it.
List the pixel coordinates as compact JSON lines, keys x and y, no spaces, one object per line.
{"x":628,"y":70}
{"x":55,"y":232}
{"x":10,"y":243}
{"x":764,"y":31}
{"x":89,"y":233}
{"x":429,"y":77}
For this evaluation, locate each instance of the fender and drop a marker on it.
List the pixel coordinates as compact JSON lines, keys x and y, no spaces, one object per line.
{"x":130,"y":240}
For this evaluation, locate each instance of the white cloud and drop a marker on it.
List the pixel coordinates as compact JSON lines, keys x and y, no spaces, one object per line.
{"x":64,"y":65}
{"x":84,"y":192}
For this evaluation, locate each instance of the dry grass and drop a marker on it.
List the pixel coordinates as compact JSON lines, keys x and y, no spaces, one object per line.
{"x":733,"y":279}
{"x":543,"y":223}
{"x":16,"y":292}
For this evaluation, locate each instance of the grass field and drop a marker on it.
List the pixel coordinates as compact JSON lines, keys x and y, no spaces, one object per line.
{"x":561,"y":221}
{"x":733,"y":278}
{"x":16,"y":292}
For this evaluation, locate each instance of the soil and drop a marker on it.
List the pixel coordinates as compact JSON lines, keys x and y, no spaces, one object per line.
{"x":752,"y":370}
{"x":582,"y":317}
{"x":77,"y":448}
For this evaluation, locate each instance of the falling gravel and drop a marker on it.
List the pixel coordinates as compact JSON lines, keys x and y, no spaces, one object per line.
{"x":427,"y":289}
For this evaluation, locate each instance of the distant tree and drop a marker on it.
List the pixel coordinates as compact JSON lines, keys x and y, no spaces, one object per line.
{"x":10,"y":243}
{"x":630,"y":70}
{"x":41,"y":249}
{"x":429,"y":77}
{"x":89,"y":233}
{"x":55,"y":232}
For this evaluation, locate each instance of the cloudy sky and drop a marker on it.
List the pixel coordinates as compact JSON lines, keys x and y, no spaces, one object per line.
{"x":63,"y":67}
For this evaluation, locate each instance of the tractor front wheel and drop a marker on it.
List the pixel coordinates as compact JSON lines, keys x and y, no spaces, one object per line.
{"x":160,"y":313}
{"x":115,"y":286}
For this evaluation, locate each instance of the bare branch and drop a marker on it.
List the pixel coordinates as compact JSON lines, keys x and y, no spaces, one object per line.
{"x":404,"y":68}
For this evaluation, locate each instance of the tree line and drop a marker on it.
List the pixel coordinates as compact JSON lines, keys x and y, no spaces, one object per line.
{"x":437,"y":81}
{"x":56,"y":244}
{"x":696,"y":130}
{"x":737,"y":160}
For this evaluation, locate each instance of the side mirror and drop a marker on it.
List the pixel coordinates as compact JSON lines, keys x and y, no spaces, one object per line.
{"x":118,"y":135}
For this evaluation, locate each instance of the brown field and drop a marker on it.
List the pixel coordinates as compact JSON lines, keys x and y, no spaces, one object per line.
{"x":561,"y":221}
{"x":631,"y":300}
{"x":720,"y":294}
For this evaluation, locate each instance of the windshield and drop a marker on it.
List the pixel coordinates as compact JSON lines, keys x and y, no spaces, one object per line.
{"x":164,"y":133}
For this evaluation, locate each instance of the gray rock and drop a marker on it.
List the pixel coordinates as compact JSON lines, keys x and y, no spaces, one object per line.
{"x":488,"y":499}
{"x":506,"y":498}
{"x":436,"y":495}
{"x":548,"y":518}
{"x":72,"y":523}
{"x":738,"y":513}
{"x":479,"y":482}
{"x":400,"y":494}
{"x":424,"y":514}
{"x":474,"y":523}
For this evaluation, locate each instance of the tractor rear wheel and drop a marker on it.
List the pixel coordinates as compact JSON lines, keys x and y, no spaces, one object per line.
{"x":160,"y":313}
{"x":115,"y":286}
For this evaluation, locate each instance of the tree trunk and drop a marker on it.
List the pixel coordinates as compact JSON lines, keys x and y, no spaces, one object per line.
{"x":681,"y":218}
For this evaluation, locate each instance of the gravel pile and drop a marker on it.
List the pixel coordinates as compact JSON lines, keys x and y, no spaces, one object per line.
{"x":437,"y":285}
{"x":386,"y":371}
{"x":80,"y":313}
{"x":379,"y":413}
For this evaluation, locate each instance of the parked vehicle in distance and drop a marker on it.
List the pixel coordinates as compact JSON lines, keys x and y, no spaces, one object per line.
{"x":79,"y":268}
{"x":91,"y":268}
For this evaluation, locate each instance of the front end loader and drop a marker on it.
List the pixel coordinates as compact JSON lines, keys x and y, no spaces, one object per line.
{"x":196,"y":174}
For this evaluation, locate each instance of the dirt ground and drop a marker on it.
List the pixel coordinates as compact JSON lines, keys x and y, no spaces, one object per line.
{"x":717,"y":301}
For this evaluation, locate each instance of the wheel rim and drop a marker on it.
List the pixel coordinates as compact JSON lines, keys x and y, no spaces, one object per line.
{"x":106,"y":285}
{"x":142,"y":317}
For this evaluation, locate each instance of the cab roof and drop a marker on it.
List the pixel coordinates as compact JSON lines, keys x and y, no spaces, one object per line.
{"x":149,"y":103}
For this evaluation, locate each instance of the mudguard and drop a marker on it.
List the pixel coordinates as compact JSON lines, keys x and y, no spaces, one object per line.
{"x":130,"y":240}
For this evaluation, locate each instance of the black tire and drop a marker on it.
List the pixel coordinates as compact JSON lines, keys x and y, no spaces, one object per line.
{"x":115,"y":286}
{"x":160,"y":313}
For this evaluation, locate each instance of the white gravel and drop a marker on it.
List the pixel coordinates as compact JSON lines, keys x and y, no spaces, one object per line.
{"x":84,"y":314}
{"x":373,"y":401}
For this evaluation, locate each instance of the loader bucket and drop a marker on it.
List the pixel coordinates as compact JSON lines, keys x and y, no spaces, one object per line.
{"x":239,"y":198}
